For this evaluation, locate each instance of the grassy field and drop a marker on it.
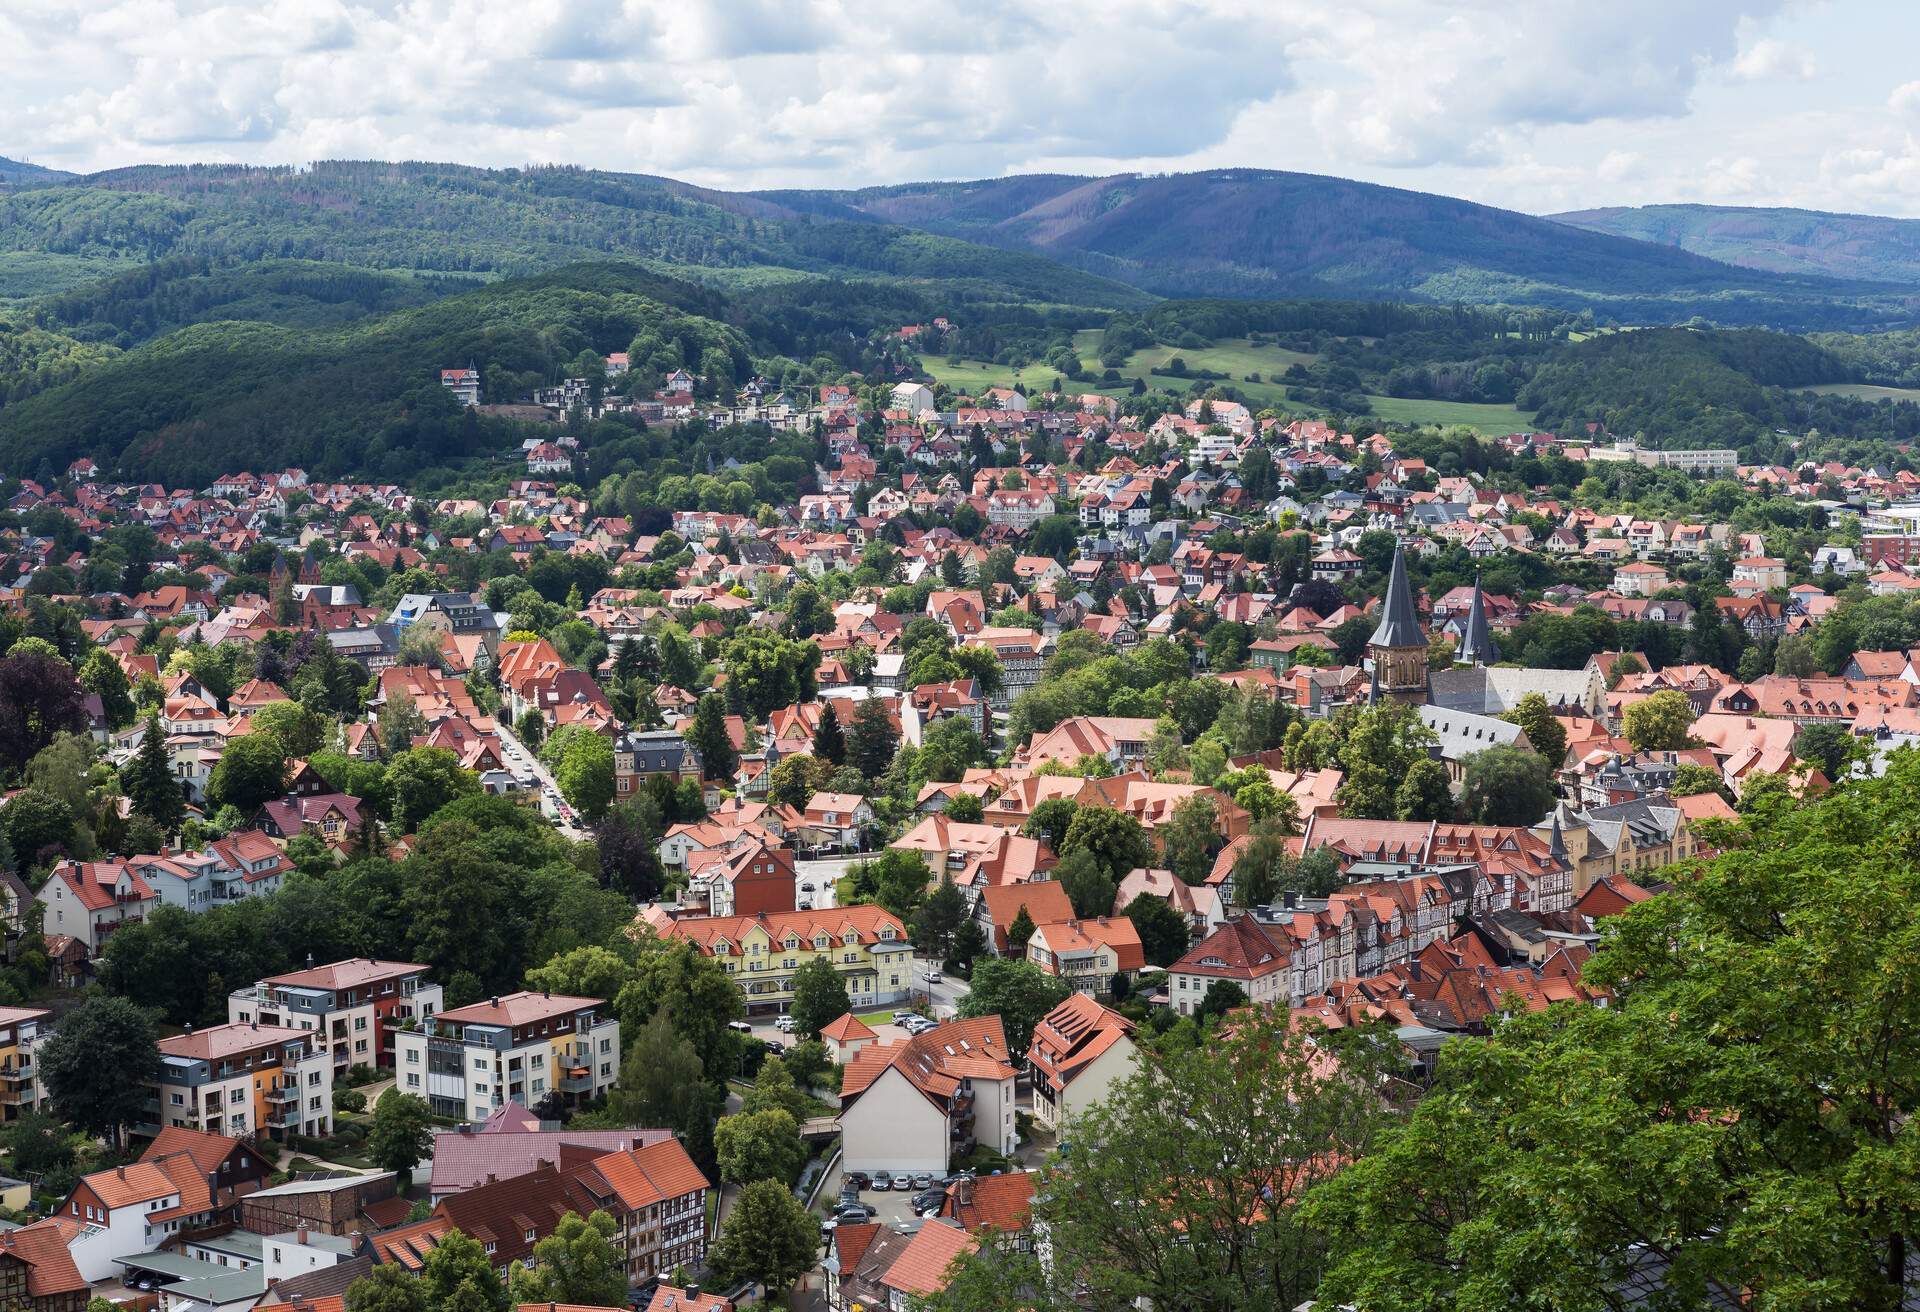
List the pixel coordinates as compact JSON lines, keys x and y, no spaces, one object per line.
{"x":1867,"y":391}
{"x":1497,"y":420}
{"x":1235,"y":357}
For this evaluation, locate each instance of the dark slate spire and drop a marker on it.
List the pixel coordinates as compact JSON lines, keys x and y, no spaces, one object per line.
{"x":1557,"y":849}
{"x":1476,"y":643}
{"x":1399,"y":622}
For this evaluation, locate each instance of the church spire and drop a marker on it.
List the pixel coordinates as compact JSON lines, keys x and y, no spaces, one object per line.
{"x":1399,"y":622}
{"x":1476,"y":642}
{"x":1557,"y":848}
{"x":1398,"y":647}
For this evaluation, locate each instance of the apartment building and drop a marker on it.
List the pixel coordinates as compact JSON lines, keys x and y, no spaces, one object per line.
{"x":20,"y":1037}
{"x":1080,"y":1050}
{"x":915,"y":1104}
{"x":244,"y":1080}
{"x":353,"y":1008}
{"x":524,"y":1047}
{"x":867,"y":946}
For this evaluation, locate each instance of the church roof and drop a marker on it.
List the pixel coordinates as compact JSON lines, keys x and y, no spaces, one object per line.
{"x":1399,"y":623}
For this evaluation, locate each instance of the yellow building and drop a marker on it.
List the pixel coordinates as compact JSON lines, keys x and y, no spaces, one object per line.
{"x":866,"y":945}
{"x":243,"y":1080}
{"x":19,"y":1081}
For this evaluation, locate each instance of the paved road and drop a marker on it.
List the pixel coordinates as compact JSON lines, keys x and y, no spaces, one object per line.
{"x":823,"y":875}
{"x":519,"y":760}
{"x":944,"y":997}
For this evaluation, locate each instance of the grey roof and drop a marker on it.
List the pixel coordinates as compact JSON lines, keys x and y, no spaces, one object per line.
{"x":1476,"y":643}
{"x":1399,"y":622}
{"x":320,"y":1184}
{"x":1462,"y":733}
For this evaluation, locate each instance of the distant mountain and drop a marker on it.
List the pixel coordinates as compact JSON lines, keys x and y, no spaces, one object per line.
{"x":14,"y":172}
{"x":1780,"y":241}
{"x":451,"y":218}
{"x":1258,"y":233}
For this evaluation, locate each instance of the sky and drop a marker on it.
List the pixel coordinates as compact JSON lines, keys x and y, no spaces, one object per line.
{"x":1539,"y":105}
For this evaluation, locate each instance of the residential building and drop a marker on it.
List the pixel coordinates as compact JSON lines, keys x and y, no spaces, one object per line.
{"x":20,"y":1039}
{"x":37,"y":1270}
{"x":640,"y":755}
{"x":512,"y":1142}
{"x":354,"y":1008}
{"x":1088,"y":953}
{"x":915,"y":1104}
{"x":243,"y":1079}
{"x":741,"y":881}
{"x":1244,"y":952}
{"x":88,"y":900}
{"x":524,"y":1047}
{"x":1080,"y":1049}
{"x":866,"y":945}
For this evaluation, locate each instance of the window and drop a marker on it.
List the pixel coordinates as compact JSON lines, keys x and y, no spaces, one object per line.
{"x":359,"y":1022}
{"x":413,"y":1080}
{"x":413,"y":1056}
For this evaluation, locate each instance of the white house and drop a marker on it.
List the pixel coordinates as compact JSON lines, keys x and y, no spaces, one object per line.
{"x":911,"y":1105}
{"x":1080,"y":1049}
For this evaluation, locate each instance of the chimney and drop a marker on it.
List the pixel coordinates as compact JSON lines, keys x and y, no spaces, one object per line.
{"x":493,"y":1002}
{"x":354,"y":1239}
{"x":300,"y":1234}
{"x":963,"y":1191}
{"x":120,"y":1171}
{"x":490,"y":1178}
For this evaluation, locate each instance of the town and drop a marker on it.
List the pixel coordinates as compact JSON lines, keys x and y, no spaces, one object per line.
{"x":629,"y":891}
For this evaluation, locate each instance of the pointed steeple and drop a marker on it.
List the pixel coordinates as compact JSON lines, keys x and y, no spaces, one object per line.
{"x":1476,"y":642}
{"x":1399,"y":622}
{"x":1557,"y":846}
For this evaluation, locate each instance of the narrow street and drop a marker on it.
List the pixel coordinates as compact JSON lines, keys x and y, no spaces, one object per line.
{"x":520,"y":759}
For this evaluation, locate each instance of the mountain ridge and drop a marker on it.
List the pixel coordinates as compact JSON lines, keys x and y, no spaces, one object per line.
{"x":1777,"y":239}
{"x":1112,"y":242}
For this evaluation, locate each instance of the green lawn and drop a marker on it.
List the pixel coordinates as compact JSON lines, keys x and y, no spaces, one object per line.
{"x":1867,"y":391}
{"x":1232,"y":356}
{"x":1497,"y":420}
{"x":1236,"y":357}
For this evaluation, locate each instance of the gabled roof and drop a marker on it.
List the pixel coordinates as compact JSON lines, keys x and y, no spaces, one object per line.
{"x":922,"y":1267}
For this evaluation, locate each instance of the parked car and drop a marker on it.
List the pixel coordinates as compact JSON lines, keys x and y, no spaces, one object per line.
{"x":804,"y":904}
{"x":935,"y":977}
{"x":928,"y":1201}
{"x":855,"y":1180}
{"x":773,"y":1047}
{"x":922,"y":1180}
{"x":854,"y":1213}
{"x":828,"y":1226}
{"x":808,"y":887}
{"x":642,"y":1294}
{"x":784,"y":1024}
{"x":881,"y":1182}
{"x":739,"y":1027}
{"x":954,"y":1177}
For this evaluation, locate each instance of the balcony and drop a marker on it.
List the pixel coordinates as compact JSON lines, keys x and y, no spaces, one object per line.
{"x":281,"y":1117}
{"x":19,"y":1071}
{"x":284,"y":1093}
{"x":577,"y":1081}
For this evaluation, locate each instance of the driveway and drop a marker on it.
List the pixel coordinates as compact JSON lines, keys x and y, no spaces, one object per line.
{"x":521,"y":760}
{"x":823,"y":875}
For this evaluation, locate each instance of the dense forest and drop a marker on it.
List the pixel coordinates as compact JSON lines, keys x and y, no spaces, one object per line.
{"x":450,"y":218}
{"x":1257,"y":233}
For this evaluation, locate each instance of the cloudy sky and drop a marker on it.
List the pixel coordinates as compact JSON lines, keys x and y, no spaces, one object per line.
{"x":1540,"y":105}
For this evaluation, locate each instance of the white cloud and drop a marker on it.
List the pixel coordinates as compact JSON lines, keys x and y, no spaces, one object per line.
{"x":1770,"y":60}
{"x":1552,"y":104}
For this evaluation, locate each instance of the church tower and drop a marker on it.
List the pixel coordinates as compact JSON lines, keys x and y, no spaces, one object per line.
{"x":1398,"y":648}
{"x":1476,"y":640}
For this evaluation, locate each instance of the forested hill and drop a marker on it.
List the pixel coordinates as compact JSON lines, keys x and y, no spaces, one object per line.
{"x":15,"y":172}
{"x":1253,"y":232}
{"x":1781,"y":240}
{"x":363,"y":397}
{"x":455,"y":219}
